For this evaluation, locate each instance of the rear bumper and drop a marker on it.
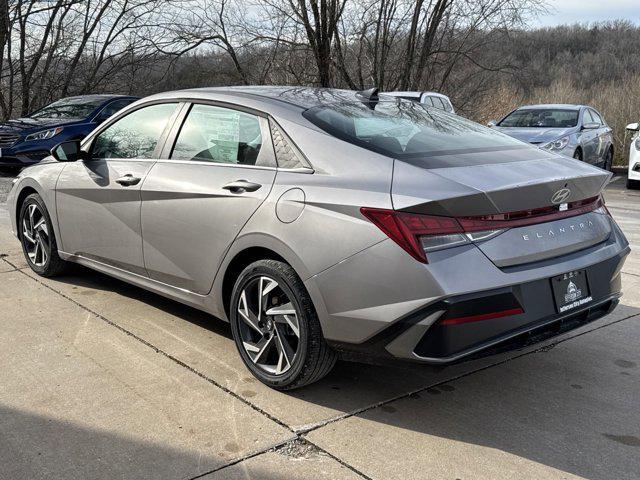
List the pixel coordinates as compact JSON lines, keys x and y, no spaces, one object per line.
{"x":539,"y":320}
{"x":383,"y":303}
{"x":529,"y":334}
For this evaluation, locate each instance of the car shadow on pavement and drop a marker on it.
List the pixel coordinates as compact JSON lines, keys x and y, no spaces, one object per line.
{"x":35,"y":446}
{"x":570,"y":406}
{"x":85,"y":278}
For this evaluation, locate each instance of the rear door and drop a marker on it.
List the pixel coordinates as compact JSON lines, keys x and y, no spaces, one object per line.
{"x":212,"y":178}
{"x":98,"y":200}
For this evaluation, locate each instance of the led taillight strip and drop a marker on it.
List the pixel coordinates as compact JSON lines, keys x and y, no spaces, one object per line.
{"x":528,"y":217}
{"x":406,"y":228}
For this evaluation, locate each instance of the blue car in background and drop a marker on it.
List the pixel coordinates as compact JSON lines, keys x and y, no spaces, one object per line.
{"x":25,"y":141}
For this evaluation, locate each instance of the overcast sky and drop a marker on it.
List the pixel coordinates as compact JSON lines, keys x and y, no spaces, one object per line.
{"x":572,"y":11}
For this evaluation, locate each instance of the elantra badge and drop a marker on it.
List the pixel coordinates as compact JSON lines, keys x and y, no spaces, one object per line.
{"x":560,"y":196}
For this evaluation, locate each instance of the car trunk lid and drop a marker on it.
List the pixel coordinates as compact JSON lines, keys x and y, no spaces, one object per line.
{"x":517,"y":188}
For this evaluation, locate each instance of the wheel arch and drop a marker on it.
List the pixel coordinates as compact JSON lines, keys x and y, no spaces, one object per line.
{"x":20,"y":198}
{"x":245,"y":251}
{"x":23,"y":189}
{"x":237,"y":264}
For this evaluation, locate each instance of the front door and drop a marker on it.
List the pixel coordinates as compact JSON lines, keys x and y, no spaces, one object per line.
{"x":589,"y":139}
{"x":195,"y":203}
{"x":604,"y":136}
{"x":98,"y":200}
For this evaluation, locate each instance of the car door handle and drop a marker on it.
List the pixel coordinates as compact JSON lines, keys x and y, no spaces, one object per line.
{"x":128,"y":180}
{"x":240,"y":186}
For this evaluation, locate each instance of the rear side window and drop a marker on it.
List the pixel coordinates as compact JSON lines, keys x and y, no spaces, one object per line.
{"x":287,"y":155}
{"x":220,"y":135}
{"x":407,"y":129}
{"x":135,"y":135}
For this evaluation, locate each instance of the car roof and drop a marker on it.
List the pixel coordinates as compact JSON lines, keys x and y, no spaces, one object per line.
{"x":559,"y":106}
{"x":288,"y":97}
{"x":416,"y":94}
{"x":98,"y":97}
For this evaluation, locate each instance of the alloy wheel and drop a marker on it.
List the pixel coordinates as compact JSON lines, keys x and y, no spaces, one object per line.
{"x":37,"y":240}
{"x":269,"y":326}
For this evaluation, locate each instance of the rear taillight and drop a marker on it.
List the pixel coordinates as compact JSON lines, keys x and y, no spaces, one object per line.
{"x":418,"y":234}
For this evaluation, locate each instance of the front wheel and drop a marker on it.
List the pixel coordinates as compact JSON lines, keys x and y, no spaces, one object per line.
{"x":38,"y":238}
{"x":633,"y":184}
{"x":276,"y":328}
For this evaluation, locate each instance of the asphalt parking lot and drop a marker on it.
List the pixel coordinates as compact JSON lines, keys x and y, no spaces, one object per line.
{"x":100,"y":379}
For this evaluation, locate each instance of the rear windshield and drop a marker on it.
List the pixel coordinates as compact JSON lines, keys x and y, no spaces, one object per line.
{"x":541,"y":118}
{"x":403,"y":129}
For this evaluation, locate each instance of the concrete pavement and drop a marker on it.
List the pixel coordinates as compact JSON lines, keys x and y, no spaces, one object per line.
{"x":102,"y":380}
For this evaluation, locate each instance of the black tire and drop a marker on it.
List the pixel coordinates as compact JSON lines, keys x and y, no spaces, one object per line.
{"x":633,"y":184}
{"x":608,"y":161}
{"x":577,"y":154}
{"x":313,"y":358}
{"x":53,"y":265}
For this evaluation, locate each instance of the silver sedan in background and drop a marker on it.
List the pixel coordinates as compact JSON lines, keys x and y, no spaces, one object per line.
{"x":577,"y":131}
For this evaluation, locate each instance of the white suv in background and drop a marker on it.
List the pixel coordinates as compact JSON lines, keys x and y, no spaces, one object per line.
{"x":633,"y":178}
{"x":430,"y":99}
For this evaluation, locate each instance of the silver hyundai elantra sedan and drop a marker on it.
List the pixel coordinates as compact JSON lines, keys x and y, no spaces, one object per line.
{"x":318,"y":221}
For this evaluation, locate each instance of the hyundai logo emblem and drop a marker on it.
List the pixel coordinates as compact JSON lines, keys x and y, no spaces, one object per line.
{"x":560,"y":196}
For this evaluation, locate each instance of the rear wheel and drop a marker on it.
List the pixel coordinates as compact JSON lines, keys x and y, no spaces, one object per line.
{"x":276,"y":328}
{"x":38,"y":238}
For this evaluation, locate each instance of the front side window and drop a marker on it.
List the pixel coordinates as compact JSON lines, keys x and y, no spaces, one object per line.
{"x":428,"y":100}
{"x":541,"y":118}
{"x":407,"y":129}
{"x":219,"y":135}
{"x":136,"y":135}
{"x":596,"y":118}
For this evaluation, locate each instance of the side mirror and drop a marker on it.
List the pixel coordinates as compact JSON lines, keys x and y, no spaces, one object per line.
{"x":492,"y":123}
{"x":590,"y":126}
{"x":633,"y":127}
{"x":69,"y":152}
